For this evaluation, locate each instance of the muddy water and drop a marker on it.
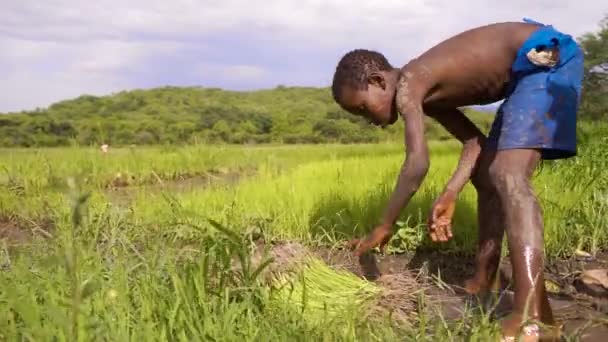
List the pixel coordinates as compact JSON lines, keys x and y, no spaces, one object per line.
{"x":584,"y":318}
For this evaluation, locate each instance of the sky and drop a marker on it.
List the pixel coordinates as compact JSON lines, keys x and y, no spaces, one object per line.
{"x":54,"y":50}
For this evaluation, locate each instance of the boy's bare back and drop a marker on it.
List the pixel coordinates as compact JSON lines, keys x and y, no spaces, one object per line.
{"x":470,"y":68}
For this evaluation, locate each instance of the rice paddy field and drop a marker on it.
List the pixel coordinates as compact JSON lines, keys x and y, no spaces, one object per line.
{"x":184,"y":244}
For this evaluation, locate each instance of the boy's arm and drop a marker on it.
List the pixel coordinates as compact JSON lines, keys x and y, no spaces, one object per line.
{"x":439,"y":223}
{"x":416,"y":164}
{"x":409,"y":104}
{"x":457,"y":124}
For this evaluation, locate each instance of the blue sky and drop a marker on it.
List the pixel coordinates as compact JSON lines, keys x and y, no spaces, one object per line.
{"x":59,"y":49}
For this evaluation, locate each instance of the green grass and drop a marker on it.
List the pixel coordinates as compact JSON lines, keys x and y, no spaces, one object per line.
{"x":153,"y":267}
{"x":45,"y":169}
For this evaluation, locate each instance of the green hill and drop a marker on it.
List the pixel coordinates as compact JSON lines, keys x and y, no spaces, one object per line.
{"x":282,"y":115}
{"x":173,"y":115}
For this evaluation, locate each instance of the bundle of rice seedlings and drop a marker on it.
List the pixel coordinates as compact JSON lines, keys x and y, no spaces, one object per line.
{"x":322,"y":293}
{"x":303,"y":281}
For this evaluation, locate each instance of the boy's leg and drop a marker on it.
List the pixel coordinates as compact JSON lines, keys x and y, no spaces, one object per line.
{"x":489,"y":213}
{"x":491,"y":227}
{"x":536,"y":120}
{"x":510,"y":173}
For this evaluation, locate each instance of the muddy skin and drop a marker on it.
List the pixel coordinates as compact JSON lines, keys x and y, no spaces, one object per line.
{"x":490,"y":216}
{"x":471,"y":68}
{"x":510,"y":173}
{"x":475,"y":163}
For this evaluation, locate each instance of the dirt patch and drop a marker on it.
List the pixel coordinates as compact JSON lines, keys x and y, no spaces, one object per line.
{"x":16,"y":231}
{"x":398,"y":297}
{"x":182,"y":180}
{"x":12,"y":234}
{"x":566,"y":273}
{"x":584,"y":318}
{"x":286,"y":257}
{"x":122,"y":191}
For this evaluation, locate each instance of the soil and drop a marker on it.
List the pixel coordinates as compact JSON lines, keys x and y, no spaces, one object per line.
{"x":181,"y":181}
{"x":15,"y":232}
{"x":122,"y":193}
{"x":286,"y":257}
{"x":584,"y":317}
{"x":12,"y":234}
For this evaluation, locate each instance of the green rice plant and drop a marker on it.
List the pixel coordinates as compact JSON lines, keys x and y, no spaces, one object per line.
{"x":44,"y":168}
{"x":166,"y":264}
{"x":322,"y":293}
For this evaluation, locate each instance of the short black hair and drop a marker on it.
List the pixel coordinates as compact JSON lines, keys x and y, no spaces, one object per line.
{"x":354,"y":69}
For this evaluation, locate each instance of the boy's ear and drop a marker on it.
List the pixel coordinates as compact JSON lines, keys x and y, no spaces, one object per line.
{"x":377,"y":79}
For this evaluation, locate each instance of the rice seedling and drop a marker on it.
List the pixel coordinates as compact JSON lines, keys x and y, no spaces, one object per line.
{"x":156,"y":262}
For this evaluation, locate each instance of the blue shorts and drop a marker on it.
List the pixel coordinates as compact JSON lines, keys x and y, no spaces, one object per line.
{"x":541,"y":105}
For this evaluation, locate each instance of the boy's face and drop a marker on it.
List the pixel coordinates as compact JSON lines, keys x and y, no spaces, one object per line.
{"x":376,"y":103}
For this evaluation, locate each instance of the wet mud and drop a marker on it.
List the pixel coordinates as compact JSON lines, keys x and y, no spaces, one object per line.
{"x":12,"y":234}
{"x":583,"y":317}
{"x":16,"y":232}
{"x":180,"y":181}
{"x":122,"y":192}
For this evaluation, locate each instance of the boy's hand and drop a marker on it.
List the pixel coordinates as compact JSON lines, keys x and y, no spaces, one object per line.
{"x":379,"y":237}
{"x":440,"y":220}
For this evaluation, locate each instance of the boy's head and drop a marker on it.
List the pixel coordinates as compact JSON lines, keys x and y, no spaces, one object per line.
{"x":364,"y":84}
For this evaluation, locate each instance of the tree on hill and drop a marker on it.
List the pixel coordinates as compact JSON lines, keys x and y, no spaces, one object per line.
{"x":173,"y":115}
{"x":595,"y":87}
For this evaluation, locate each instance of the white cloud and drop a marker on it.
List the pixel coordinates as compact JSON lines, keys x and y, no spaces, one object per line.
{"x":39,"y":73}
{"x":72,"y":19}
{"x":318,"y":19}
{"x":231,"y":73}
{"x":109,"y":56}
{"x":241,"y":72}
{"x":64,"y":48}
{"x":27,"y":89}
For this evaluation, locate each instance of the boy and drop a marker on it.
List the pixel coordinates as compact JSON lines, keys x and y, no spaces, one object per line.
{"x":538,"y":72}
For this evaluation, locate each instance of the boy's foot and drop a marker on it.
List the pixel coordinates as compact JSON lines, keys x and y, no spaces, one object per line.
{"x":474,"y":286}
{"x":512,"y":330}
